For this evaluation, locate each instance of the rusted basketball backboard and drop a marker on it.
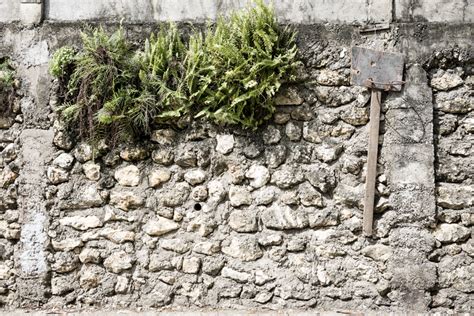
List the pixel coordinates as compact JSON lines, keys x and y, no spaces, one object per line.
{"x":376,"y":69}
{"x":379,"y":71}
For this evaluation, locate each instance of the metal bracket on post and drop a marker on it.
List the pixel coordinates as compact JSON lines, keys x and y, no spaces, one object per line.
{"x":378,"y":71}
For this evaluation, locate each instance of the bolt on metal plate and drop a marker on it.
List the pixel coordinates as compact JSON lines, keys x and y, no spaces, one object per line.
{"x":376,"y":69}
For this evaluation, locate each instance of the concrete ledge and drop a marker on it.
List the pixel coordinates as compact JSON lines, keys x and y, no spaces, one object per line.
{"x":291,"y":11}
{"x":16,"y":11}
{"x":9,"y":11}
{"x":434,"y":11}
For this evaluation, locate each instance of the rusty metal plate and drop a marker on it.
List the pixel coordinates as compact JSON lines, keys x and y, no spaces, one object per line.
{"x":376,"y":69}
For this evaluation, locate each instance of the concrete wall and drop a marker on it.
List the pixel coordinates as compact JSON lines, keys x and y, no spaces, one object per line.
{"x":297,"y":11}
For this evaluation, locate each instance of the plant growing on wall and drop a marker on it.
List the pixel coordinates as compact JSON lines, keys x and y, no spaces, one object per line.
{"x":248,"y":56}
{"x":7,"y":87}
{"x":229,"y":75}
{"x":101,"y":76}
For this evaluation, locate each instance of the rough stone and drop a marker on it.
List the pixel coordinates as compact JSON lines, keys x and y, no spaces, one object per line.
{"x":163,"y":136}
{"x":212,"y":266}
{"x":191,"y":265}
{"x":331,"y":78}
{"x":83,"y":152}
{"x":134,"y":153}
{"x":283,"y":217}
{"x":118,"y":261}
{"x":449,"y":233}
{"x":176,"y":245}
{"x":163,"y":156}
{"x":57,"y":175}
{"x":455,"y":196}
{"x":89,"y":255}
{"x":91,"y":171}
{"x":118,"y":236}
{"x":81,"y":223}
{"x":64,"y":161}
{"x":270,"y":240}
{"x":446,"y":81}
{"x":377,"y":252}
{"x":126,"y":200}
{"x":243,"y":221}
{"x":287,"y":177}
{"x":176,"y":195}
{"x":308,"y":195}
{"x":241,"y":277}
{"x":121,"y":286}
{"x":275,"y":156}
{"x":225,"y":144}
{"x":194,"y":177}
{"x":320,"y":177}
{"x":288,"y":96}
{"x":281,"y":118}
{"x":207,"y":248}
{"x":239,"y":196}
{"x":323,"y":217}
{"x":64,"y":262}
{"x":244,"y":247}
{"x":293,"y":131}
{"x":271,"y":135}
{"x":258,"y":176}
{"x":67,"y":244}
{"x":252,"y":151}
{"x":264,"y":196}
{"x":158,"y":177}
{"x":186,"y":157}
{"x":160,"y":226}
{"x":128,"y":176}
{"x":91,"y":276}
{"x":199,"y":193}
{"x":327,"y":153}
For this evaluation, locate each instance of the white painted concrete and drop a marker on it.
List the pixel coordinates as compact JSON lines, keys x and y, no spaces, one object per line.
{"x":290,"y":11}
{"x":434,"y":10}
{"x":293,"y":11}
{"x":15,"y":11}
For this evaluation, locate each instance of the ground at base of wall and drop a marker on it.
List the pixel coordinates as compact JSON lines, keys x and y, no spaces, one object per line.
{"x":219,"y":312}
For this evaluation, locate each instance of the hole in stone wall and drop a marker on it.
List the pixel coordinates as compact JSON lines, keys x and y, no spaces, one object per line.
{"x":197,"y":207}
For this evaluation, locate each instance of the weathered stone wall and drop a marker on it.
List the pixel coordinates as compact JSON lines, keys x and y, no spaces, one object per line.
{"x":452,"y":84}
{"x":215,"y":217}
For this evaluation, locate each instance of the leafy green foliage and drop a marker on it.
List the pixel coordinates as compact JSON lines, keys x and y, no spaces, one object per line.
{"x":100,"y":85}
{"x":7,"y":87}
{"x":229,"y":75}
{"x":161,"y":72}
{"x":247,"y":58}
{"x":62,"y":60}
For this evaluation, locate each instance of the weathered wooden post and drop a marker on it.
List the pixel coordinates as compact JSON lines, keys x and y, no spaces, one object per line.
{"x":379,"y":71}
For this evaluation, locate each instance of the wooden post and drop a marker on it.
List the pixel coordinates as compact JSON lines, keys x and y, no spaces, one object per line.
{"x":369,"y":200}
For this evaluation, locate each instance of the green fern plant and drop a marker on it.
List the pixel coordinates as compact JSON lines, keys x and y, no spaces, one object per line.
{"x":247,"y":58}
{"x":62,"y":61}
{"x":7,"y":87}
{"x":230,"y":75}
{"x":161,"y":73}
{"x":103,"y":73}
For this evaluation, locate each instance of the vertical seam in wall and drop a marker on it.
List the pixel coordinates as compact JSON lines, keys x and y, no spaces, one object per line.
{"x":394,"y":13}
{"x":466,"y":4}
{"x":42,"y":15}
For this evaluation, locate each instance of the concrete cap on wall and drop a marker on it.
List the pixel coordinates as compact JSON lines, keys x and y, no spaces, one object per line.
{"x":288,"y":11}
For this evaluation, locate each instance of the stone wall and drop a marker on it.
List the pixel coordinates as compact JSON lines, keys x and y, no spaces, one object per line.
{"x":219,"y":217}
{"x":452,"y":84}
